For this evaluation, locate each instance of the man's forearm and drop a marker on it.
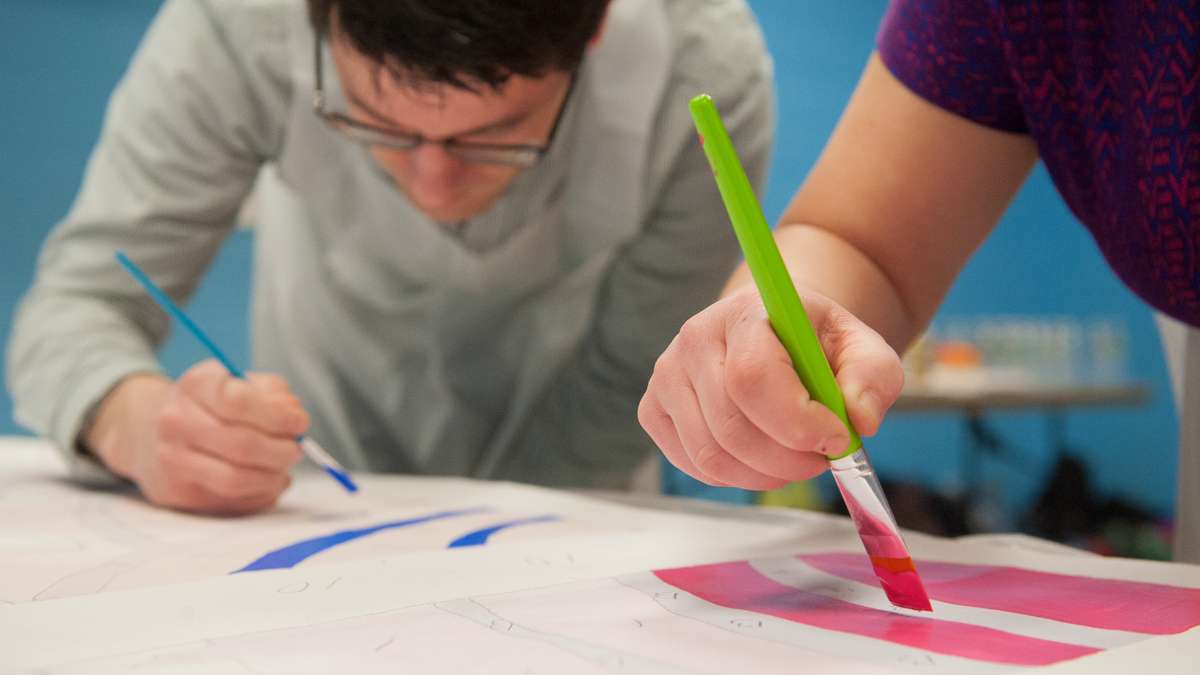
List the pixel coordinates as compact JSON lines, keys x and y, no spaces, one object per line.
{"x":121,"y":417}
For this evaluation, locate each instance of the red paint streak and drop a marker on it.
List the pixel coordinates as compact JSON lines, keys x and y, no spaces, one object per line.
{"x":893,"y":565}
{"x":901,"y":583}
{"x":1111,"y":604}
{"x":737,"y":585}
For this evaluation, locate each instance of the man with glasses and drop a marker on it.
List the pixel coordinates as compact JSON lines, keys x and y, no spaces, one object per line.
{"x":467,"y":260}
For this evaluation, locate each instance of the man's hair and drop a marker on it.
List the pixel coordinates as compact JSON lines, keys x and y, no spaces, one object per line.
{"x":463,"y":43}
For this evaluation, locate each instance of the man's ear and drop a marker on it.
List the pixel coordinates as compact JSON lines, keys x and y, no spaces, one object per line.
{"x":599,"y":34}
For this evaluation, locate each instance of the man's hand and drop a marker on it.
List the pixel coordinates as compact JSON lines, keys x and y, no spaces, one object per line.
{"x":208,"y":443}
{"x":726,"y":406}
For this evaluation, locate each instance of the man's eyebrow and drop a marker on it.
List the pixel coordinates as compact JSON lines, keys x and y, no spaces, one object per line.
{"x":365,"y":107}
{"x":381,"y":119}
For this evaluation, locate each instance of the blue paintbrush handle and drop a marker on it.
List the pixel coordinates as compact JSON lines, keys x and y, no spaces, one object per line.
{"x":175,"y":311}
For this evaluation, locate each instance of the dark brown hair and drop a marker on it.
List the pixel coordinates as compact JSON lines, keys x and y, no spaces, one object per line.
{"x":464,"y":43}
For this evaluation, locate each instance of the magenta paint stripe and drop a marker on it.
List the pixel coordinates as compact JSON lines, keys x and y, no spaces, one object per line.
{"x":737,"y":585}
{"x":1112,"y":604}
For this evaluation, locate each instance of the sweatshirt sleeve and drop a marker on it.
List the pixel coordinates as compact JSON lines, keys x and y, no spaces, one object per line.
{"x":186,"y":131}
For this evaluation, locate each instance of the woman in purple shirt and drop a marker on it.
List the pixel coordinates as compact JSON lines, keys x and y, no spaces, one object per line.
{"x":959,"y":101}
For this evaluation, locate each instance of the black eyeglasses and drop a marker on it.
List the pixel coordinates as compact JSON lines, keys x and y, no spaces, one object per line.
{"x":517,"y":154}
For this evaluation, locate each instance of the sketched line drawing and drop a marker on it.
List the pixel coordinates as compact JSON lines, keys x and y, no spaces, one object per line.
{"x":85,"y":582}
{"x":96,"y":513}
{"x":600,"y":655}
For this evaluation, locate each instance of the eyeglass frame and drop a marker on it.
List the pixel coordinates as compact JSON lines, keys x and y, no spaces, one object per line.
{"x":522,"y":155}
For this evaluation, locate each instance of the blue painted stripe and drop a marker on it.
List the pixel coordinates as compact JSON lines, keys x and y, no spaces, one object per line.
{"x":479,"y":537}
{"x":293,"y":554}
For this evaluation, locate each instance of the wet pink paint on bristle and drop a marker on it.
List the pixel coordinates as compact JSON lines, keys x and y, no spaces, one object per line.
{"x":1109,"y":604}
{"x":901,"y":583}
{"x":889,"y":557}
{"x":878,"y":537}
{"x":739,"y":586}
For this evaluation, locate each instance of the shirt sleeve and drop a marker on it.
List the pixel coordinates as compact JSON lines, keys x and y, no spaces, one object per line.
{"x":184,"y":136}
{"x":950,"y":53}
{"x":586,"y":430}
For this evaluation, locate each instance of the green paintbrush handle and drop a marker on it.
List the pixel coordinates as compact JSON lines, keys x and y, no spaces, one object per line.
{"x":787,"y":314}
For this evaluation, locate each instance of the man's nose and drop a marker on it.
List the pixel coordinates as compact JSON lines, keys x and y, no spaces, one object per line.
{"x":434,"y":172}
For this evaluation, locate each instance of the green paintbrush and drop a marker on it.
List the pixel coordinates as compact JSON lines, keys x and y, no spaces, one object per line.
{"x":851,"y":469}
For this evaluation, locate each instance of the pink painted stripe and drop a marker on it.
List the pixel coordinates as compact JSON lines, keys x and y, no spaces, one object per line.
{"x":1112,"y":604}
{"x":737,"y":585}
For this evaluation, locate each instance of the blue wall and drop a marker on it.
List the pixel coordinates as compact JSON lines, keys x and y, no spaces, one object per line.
{"x":62,"y":57}
{"x":60,"y":62}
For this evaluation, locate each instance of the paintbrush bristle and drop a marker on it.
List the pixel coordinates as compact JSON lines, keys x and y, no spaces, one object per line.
{"x":901,"y":583}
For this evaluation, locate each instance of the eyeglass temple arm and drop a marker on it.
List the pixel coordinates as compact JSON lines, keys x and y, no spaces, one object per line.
{"x":318,"y":78}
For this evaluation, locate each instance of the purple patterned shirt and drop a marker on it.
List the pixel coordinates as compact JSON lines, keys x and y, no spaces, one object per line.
{"x":1108,"y":90}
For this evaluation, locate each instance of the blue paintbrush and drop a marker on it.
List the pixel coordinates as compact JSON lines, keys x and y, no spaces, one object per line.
{"x":314,"y":451}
